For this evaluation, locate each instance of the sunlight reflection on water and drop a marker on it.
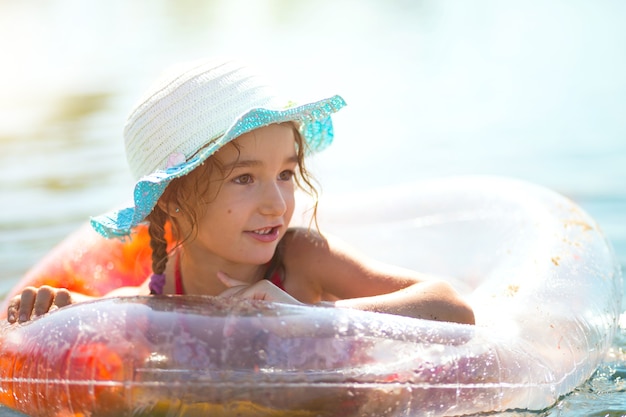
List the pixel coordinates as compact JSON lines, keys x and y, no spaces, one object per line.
{"x":531,"y":89}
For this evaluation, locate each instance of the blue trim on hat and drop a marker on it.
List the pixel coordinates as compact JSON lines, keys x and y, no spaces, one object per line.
{"x":316,"y":129}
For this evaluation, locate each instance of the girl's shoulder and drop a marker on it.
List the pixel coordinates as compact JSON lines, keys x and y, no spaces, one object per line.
{"x":315,"y":245}
{"x":302,"y":251}
{"x":304,"y":242}
{"x":324,"y":265}
{"x":319,"y":264}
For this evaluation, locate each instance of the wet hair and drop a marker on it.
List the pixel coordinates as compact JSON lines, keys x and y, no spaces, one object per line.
{"x":190,"y":193}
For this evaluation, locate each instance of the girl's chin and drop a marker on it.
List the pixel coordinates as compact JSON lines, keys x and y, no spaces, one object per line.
{"x":260,"y":257}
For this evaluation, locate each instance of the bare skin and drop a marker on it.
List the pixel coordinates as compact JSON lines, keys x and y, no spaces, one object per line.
{"x":238,"y":234}
{"x":365,"y":286}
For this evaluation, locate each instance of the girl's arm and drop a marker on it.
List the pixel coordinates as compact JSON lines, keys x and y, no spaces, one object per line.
{"x":324,"y":268}
{"x":431,"y":300}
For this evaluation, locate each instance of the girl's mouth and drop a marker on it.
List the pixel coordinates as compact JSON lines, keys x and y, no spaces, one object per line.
{"x":266,"y":234}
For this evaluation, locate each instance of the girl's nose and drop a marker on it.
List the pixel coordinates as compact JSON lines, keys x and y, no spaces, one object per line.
{"x":273,"y":201}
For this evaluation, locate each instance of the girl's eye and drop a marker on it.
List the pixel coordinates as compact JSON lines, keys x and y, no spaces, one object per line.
{"x":286,"y":175}
{"x":243,"y":179}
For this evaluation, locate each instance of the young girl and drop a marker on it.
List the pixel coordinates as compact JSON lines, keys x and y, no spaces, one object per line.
{"x":218,"y":155}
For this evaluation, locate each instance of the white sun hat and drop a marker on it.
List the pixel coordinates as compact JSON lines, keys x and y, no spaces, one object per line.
{"x":190,"y":114}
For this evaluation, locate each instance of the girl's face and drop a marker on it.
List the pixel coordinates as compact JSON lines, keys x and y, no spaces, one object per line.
{"x":250,"y":205}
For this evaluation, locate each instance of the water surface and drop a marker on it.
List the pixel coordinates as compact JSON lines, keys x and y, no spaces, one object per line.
{"x":534,"y":90}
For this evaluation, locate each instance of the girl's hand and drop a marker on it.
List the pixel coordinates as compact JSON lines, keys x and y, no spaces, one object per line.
{"x":36,"y":301}
{"x":261,"y":290}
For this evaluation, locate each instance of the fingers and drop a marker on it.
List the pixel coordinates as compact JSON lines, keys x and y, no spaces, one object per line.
{"x":13,"y":309}
{"x":43,"y":300}
{"x":239,"y":289}
{"x":228,"y":281}
{"x":35,"y":302}
{"x":26,"y":304}
{"x":260,"y":290}
{"x":62,"y":298}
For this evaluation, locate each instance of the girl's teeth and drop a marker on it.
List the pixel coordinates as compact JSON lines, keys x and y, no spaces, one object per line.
{"x":264,"y":231}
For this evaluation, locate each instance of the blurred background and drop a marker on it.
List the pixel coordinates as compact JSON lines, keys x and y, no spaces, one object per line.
{"x":530,"y":89}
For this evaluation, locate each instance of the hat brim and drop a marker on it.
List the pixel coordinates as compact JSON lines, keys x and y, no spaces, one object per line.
{"x":315,"y":127}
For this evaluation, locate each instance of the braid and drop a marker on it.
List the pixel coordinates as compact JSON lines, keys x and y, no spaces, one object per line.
{"x":158,"y":243}
{"x":174,"y":195}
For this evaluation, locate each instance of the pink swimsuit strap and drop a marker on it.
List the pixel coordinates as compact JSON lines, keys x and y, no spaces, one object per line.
{"x":178,"y":276}
{"x":277,"y":279}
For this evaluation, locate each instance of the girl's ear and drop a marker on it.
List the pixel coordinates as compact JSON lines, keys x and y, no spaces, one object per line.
{"x":171,"y":209}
